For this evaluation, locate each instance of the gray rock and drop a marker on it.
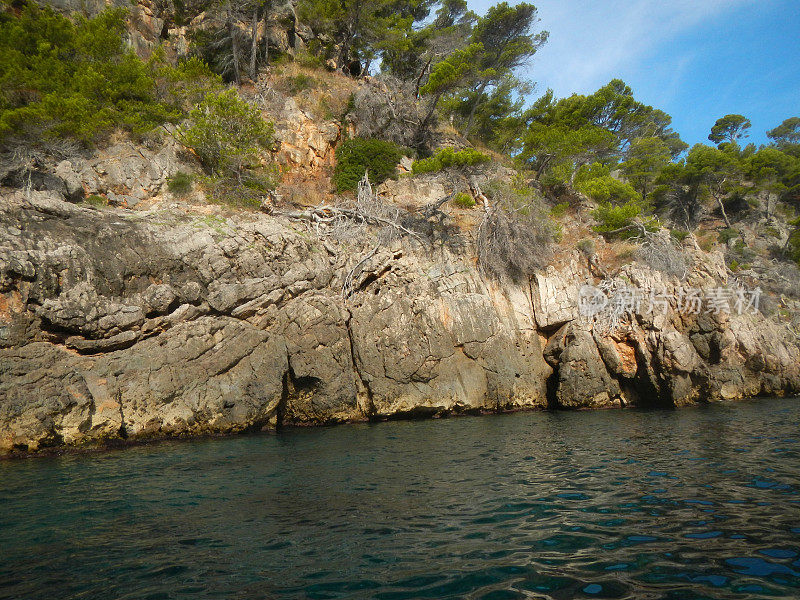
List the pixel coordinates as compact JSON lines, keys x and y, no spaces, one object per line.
{"x":113,"y":326}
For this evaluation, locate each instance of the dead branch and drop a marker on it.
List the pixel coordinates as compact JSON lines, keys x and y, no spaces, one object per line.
{"x":331,"y":214}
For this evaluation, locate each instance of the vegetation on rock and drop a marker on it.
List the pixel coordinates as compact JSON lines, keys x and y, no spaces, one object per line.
{"x":78,"y":79}
{"x":447,"y":158}
{"x":357,"y":156}
{"x":73,"y":78}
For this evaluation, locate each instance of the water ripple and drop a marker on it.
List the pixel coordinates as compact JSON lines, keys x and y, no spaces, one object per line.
{"x":689,"y":504}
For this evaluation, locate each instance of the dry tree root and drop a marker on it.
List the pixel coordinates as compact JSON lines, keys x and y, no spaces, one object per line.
{"x":347,"y":223}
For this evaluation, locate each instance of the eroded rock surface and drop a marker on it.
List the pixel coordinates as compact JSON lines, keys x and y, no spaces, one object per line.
{"x":117,"y":324}
{"x":121,"y":324}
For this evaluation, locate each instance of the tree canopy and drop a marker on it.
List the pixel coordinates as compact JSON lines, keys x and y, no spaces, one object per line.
{"x":730,"y":128}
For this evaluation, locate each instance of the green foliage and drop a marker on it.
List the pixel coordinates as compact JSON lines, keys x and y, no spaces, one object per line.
{"x":452,"y":72}
{"x":787,"y":132}
{"x":607,"y":189}
{"x":727,"y":234}
{"x":184,"y":85}
{"x":559,"y":210}
{"x":463,"y":200}
{"x":356,"y":156}
{"x":447,"y":158}
{"x":786,"y":137}
{"x":309,"y":58}
{"x":558,"y":151}
{"x":613,"y":109}
{"x":497,"y":114}
{"x":180,"y":184}
{"x":354,"y":30}
{"x":775,"y":170}
{"x":592,"y":171}
{"x":476,"y":78}
{"x":96,"y":200}
{"x":679,"y":234}
{"x":244,"y":191}
{"x":614,"y":217}
{"x":410,"y":56}
{"x":730,"y":128}
{"x":506,"y":37}
{"x":226,"y":133}
{"x":794,"y":241}
{"x":586,"y":245}
{"x":645,"y":160}
{"x":77,"y":79}
{"x":717,"y":171}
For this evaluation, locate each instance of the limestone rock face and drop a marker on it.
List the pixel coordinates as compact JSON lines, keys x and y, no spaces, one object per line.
{"x":583,"y":379}
{"x":305,"y":144}
{"x":555,"y":294}
{"x":116,"y":324}
{"x":124,"y":173}
{"x":413,"y":192}
{"x":120,"y":324}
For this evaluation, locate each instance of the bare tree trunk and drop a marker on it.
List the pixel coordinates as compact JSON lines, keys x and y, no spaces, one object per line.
{"x":254,"y":45}
{"x":234,"y":47}
{"x":543,"y":166}
{"x":266,"y":36}
{"x":722,"y":210}
{"x":418,"y":83}
{"x":431,"y":110}
{"x":474,"y":109}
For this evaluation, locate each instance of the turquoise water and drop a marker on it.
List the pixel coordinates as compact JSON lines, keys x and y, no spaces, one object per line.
{"x":688,"y":504}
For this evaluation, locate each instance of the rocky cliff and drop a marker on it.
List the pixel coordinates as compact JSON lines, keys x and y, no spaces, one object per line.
{"x":160,"y":315}
{"x":179,"y":320}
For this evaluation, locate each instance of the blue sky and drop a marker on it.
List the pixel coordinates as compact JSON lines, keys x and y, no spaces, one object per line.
{"x":695,"y":59}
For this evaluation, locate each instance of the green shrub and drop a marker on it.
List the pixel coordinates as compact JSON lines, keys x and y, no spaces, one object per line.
{"x":586,"y":245}
{"x":447,"y":157}
{"x":592,"y":171}
{"x":74,"y":79}
{"x":463,"y":200}
{"x":356,"y":156}
{"x":180,"y":184}
{"x":608,"y":189}
{"x":727,"y":234}
{"x":96,"y":200}
{"x":613,"y":217}
{"x":184,"y":85}
{"x":313,"y":57}
{"x":559,"y":210}
{"x":794,"y":241}
{"x":679,"y":234}
{"x":226,"y":133}
{"x":245,"y":192}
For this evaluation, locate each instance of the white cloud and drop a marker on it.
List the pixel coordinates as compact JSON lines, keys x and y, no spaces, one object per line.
{"x":592,"y":41}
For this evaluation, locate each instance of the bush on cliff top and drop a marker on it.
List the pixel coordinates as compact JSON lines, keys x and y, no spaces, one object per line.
{"x":226,"y":133}
{"x":75,"y":79}
{"x":357,"y":155}
{"x":447,"y":157}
